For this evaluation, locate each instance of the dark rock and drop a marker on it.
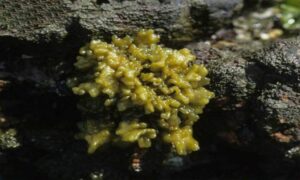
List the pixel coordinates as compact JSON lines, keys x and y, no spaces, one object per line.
{"x":233,"y":77}
{"x":267,"y":86}
{"x":278,"y":109}
{"x":46,"y":20}
{"x":277,"y":106}
{"x":253,"y":123}
{"x":34,"y":20}
{"x":257,"y":105}
{"x":281,"y":62}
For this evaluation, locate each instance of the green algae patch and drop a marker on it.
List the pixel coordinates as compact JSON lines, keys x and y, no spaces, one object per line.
{"x":135,"y":90}
{"x":290,"y":14}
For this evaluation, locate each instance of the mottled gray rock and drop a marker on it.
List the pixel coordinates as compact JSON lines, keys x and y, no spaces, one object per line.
{"x":232,"y":77}
{"x":34,"y":20}
{"x":229,"y":78}
{"x":176,"y":20}
{"x":257,"y":97}
{"x":256,"y":109}
{"x":278,"y":109}
{"x":281,"y":62}
{"x":277,"y":106}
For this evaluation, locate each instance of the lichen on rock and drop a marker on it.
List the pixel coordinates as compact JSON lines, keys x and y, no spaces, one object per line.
{"x":149,"y":89}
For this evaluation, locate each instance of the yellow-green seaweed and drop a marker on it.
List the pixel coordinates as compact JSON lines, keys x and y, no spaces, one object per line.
{"x":182,"y":140}
{"x":134,"y":131}
{"x":154,"y":90}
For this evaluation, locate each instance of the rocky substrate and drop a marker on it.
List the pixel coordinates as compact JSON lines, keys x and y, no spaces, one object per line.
{"x":250,"y":130}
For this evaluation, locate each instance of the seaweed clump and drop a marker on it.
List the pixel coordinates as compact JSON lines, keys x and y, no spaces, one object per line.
{"x":135,"y":90}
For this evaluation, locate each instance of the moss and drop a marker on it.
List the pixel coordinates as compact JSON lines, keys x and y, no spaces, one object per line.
{"x":151,"y":90}
{"x":290,"y":14}
{"x":294,"y":3}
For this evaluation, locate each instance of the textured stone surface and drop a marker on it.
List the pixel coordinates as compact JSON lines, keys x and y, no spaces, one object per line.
{"x":44,"y":20}
{"x":250,"y":130}
{"x":257,"y":98}
{"x":277,"y":107}
{"x":281,"y":62}
{"x":34,"y":20}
